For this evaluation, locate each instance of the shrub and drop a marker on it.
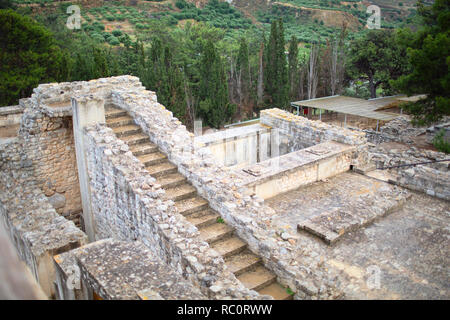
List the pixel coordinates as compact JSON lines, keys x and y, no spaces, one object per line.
{"x":113,"y":41}
{"x":440,"y":143}
{"x":117,"y":33}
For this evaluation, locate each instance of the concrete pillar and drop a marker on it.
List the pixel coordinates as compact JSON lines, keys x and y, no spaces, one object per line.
{"x":87,"y":110}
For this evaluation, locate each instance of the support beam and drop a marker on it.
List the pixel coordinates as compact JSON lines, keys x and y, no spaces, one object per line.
{"x":87,"y":110}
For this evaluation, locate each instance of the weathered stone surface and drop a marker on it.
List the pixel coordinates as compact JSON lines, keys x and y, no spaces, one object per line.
{"x":129,"y":271}
{"x":430,"y":178}
{"x":57,"y":201}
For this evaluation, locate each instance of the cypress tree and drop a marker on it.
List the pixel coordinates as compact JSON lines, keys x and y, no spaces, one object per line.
{"x":276,"y":72}
{"x":293,"y":68}
{"x":214,"y":106}
{"x":243,"y":70}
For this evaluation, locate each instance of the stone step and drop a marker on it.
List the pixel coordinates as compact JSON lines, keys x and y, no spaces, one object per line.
{"x":111,"y":113}
{"x":143,"y":148}
{"x":135,"y":139}
{"x":127,"y":130}
{"x":171,"y":180}
{"x":119,"y":121}
{"x":276,"y":291}
{"x":242,"y":262}
{"x":203,"y":218}
{"x":152,"y":158}
{"x":181,"y":192}
{"x":215,"y":232}
{"x":365,"y":169}
{"x":229,"y":247}
{"x":192,"y":205}
{"x":161,"y":169}
{"x":257,"y":278}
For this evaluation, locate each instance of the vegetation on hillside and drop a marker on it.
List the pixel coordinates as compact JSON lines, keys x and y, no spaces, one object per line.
{"x":214,"y":63}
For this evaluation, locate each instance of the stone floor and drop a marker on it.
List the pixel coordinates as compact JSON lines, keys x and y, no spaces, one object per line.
{"x":408,"y":248}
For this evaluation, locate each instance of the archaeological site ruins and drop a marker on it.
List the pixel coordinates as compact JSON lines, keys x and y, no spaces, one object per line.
{"x":105,"y":195}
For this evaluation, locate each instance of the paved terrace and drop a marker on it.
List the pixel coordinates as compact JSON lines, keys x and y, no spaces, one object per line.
{"x":409,"y":246}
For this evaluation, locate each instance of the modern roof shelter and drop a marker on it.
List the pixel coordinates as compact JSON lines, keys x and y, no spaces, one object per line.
{"x":353,"y":106}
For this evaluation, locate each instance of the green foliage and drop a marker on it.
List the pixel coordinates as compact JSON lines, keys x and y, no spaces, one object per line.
{"x":289,"y":291}
{"x":220,"y":220}
{"x":214,"y":106}
{"x":293,"y":68}
{"x":117,"y":33}
{"x":377,"y":58}
{"x":440,"y":143}
{"x":276,"y":72}
{"x":429,"y":55}
{"x":28,"y":56}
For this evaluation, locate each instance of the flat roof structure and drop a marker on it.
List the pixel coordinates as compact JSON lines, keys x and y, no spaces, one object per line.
{"x":354,"y":106}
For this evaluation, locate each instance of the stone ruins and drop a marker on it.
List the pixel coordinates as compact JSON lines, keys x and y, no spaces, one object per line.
{"x":105,"y":195}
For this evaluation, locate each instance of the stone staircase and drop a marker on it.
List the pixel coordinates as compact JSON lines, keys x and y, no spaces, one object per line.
{"x":246,"y":266}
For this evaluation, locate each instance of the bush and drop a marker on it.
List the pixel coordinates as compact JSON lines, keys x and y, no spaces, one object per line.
{"x":97,"y":37}
{"x":113,"y":41}
{"x":440,"y":143}
{"x":117,"y":33}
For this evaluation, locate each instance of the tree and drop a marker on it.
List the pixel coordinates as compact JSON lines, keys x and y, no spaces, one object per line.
{"x":214,"y":106}
{"x":276,"y":73}
{"x":377,"y":58}
{"x":243,"y":73}
{"x":337,"y":62}
{"x":293,"y":68}
{"x":313,"y":71}
{"x":28,"y":56}
{"x":429,"y":55}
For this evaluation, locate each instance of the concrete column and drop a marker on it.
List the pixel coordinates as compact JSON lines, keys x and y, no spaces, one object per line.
{"x":87,"y":110}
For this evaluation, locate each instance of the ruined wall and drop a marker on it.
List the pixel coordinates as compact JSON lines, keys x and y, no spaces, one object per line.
{"x":49,"y":147}
{"x":303,"y":133}
{"x":10,"y":116}
{"x":127,"y":205}
{"x":288,"y":172}
{"x":36,"y":230}
{"x":238,"y":146}
{"x":247,"y":214}
{"x":432,"y":179}
{"x":142,"y":274}
{"x":47,"y":142}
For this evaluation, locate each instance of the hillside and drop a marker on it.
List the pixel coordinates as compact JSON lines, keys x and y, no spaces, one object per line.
{"x":308,"y":20}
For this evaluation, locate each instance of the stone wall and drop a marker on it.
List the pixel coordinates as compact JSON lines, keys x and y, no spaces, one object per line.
{"x":290,"y":171}
{"x":49,"y":147}
{"x":37,"y":231}
{"x":10,"y":116}
{"x":303,"y":133}
{"x":128,"y":206}
{"x":142,"y":274}
{"x":47,"y":143}
{"x":247,"y":214}
{"x":238,"y":146}
{"x":432,"y":179}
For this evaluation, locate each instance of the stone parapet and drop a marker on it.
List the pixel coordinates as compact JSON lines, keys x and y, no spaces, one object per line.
{"x":143,"y":276}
